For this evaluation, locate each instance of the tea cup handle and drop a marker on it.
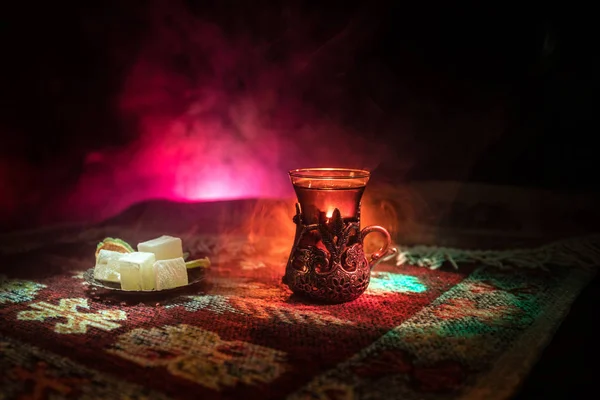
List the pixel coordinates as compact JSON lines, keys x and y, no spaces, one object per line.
{"x":384,"y":249}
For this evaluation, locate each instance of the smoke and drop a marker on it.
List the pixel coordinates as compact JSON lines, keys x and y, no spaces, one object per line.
{"x":223,"y":114}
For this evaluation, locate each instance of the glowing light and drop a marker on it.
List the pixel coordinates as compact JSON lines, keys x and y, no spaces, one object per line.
{"x":386,"y":282}
{"x":329,"y":213}
{"x":197,"y":136}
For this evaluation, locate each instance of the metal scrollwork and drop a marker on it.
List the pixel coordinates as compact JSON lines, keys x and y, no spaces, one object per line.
{"x":328,"y":262}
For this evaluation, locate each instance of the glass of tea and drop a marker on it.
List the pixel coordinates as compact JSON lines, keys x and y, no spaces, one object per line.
{"x":327,"y":261}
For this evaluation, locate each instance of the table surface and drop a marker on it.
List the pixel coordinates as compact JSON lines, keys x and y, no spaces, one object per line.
{"x":573,"y":345}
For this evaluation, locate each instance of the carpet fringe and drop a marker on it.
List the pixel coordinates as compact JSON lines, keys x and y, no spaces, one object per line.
{"x":583,"y":252}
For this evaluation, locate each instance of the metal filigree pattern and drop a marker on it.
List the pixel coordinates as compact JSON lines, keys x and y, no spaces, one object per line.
{"x":354,"y":258}
{"x":311,"y":258}
{"x":337,"y":287}
{"x":328,"y":262}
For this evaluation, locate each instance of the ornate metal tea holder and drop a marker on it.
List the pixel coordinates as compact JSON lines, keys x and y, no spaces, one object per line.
{"x":328,"y":262}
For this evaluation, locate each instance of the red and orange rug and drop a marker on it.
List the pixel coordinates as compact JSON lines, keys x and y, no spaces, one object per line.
{"x":240,"y":333}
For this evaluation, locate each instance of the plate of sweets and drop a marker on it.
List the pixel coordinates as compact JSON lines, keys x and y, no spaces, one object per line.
{"x":158,"y":265}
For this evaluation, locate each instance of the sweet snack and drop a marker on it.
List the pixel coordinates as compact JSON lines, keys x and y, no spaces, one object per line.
{"x":107,"y":266}
{"x":164,"y":247}
{"x":170,"y":274}
{"x":158,"y":264}
{"x":199,"y":263}
{"x":137,"y":271}
{"x":113,"y":244}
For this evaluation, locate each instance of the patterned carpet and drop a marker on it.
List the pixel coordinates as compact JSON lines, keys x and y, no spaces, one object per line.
{"x":239,"y":333}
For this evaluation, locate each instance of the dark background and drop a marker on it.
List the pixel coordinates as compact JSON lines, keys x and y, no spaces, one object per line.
{"x":495,"y":94}
{"x":498,"y":94}
{"x":64,"y":64}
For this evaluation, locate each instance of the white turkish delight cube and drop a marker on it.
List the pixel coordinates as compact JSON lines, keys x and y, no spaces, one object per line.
{"x":137,"y":271}
{"x":170,"y":273}
{"x":107,"y":266}
{"x":164,"y":247}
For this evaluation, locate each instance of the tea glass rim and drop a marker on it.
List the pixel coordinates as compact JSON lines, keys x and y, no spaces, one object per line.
{"x":312,"y":173}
